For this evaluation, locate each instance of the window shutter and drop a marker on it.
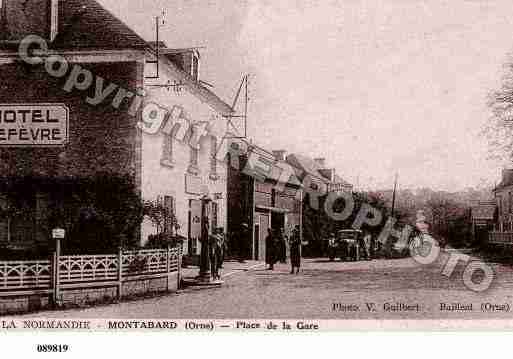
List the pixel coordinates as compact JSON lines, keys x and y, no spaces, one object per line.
{"x":169,"y":206}
{"x":213,"y":152}
{"x":167,"y":150}
{"x":194,"y":156}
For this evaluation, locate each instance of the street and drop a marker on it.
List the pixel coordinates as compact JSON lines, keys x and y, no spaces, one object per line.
{"x":323,"y":290}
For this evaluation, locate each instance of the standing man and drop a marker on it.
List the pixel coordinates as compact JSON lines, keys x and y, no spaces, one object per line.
{"x":212,"y":254}
{"x":216,"y":243}
{"x":295,"y":250}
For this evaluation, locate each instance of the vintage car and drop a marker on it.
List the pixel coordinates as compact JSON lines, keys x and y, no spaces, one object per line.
{"x":346,"y":245}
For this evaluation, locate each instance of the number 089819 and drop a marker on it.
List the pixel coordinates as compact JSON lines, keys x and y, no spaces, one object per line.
{"x":52,"y":348}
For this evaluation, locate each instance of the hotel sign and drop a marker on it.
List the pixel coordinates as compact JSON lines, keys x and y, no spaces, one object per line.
{"x":33,"y":125}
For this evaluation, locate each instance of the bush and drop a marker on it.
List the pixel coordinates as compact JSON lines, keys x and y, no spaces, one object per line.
{"x":164,"y":240}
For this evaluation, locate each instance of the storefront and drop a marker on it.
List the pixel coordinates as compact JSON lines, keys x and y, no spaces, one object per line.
{"x":263,"y":204}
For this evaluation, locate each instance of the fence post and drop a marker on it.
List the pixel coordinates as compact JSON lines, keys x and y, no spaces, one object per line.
{"x":179,"y":256}
{"x":120,"y":273}
{"x":168,"y":267}
{"x":56,"y":273}
{"x":53,"y":284}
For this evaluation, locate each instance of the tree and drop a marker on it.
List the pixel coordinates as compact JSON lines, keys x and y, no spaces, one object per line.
{"x":450,"y":220}
{"x":166,"y":223}
{"x":499,"y":128}
{"x":100,"y":213}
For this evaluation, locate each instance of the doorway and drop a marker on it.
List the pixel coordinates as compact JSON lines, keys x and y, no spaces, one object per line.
{"x":194,"y":227}
{"x":277,"y":221}
{"x":255,"y":242}
{"x":263,"y":226}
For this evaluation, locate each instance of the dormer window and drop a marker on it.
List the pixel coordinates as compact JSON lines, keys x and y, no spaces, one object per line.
{"x":20,"y":18}
{"x":195,"y":66}
{"x":187,"y":60}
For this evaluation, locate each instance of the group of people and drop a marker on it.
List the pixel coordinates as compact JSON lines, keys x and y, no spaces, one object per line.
{"x":275,"y":248}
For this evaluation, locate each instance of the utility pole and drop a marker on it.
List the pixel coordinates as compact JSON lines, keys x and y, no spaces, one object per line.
{"x":393,"y":194}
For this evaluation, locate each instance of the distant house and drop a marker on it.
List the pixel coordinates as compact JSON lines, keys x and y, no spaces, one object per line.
{"x":323,"y":178}
{"x":503,"y":193}
{"x":482,"y":217}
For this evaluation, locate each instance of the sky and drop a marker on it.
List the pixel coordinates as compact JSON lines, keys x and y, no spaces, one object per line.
{"x":376,"y":87}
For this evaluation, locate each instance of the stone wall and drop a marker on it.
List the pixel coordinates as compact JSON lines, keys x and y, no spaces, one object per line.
{"x":88,"y":296}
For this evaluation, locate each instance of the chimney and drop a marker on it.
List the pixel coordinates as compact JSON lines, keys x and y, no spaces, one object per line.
{"x":279,"y":155}
{"x":34,"y":17}
{"x":321,"y":161}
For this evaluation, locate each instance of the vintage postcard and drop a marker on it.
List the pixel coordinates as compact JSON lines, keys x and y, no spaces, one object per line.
{"x":255,"y":166}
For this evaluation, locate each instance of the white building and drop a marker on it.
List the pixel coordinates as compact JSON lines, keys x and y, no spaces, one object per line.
{"x":181,"y":167}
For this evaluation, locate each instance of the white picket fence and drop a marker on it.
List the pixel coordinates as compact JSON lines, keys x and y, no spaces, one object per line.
{"x":82,"y":271}
{"x":500,"y":238}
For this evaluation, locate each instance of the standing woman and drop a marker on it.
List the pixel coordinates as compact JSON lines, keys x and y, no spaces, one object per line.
{"x":269,"y":249}
{"x":295,"y":250}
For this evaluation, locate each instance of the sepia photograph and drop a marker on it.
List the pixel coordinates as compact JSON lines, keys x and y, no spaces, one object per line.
{"x":255,"y":165}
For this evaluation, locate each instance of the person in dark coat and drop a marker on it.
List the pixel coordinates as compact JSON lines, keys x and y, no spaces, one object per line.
{"x":224,"y":248}
{"x":212,"y":256}
{"x":295,"y":250}
{"x":243,"y":240}
{"x":270,"y":249}
{"x":282,"y":240}
{"x":366,"y":245}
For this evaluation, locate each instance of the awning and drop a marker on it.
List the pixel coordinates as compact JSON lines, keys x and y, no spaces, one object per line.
{"x":272,"y":209}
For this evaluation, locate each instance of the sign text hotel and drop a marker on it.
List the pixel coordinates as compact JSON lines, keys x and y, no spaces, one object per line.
{"x":38,"y":125}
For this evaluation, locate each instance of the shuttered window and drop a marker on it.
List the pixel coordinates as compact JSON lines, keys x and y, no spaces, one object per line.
{"x":215,"y":209}
{"x":169,"y":205}
{"x":213,"y":152}
{"x":194,"y":156}
{"x":167,"y":151}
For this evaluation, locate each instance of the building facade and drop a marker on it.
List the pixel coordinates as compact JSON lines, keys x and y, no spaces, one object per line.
{"x":260,"y":198}
{"x":86,"y":114}
{"x":503,"y":194}
{"x":186,"y":164}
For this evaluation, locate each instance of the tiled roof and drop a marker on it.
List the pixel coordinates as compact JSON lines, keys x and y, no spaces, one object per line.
{"x":276,"y":173}
{"x":307,"y":165}
{"x":87,"y":24}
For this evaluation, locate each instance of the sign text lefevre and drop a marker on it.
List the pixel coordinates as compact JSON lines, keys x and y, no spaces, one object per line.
{"x":34,"y":124}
